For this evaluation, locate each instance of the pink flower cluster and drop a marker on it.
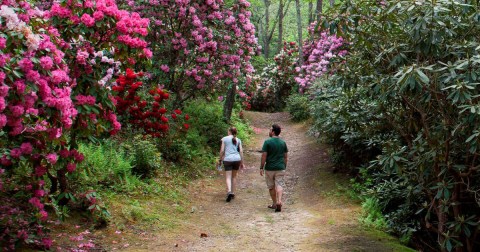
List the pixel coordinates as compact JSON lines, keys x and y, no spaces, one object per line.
{"x":210,"y":52}
{"x":319,"y":54}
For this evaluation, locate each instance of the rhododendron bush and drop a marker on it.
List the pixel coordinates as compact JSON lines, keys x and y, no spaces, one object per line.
{"x":318,"y":53}
{"x":143,"y":111}
{"x":56,"y":70}
{"x":277,"y":80}
{"x":200,"y":47}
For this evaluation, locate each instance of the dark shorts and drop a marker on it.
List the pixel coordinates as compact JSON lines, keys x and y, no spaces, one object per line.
{"x":231,"y":165}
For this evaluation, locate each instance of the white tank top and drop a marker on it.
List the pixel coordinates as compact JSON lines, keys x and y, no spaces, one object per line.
{"x":231,"y":153}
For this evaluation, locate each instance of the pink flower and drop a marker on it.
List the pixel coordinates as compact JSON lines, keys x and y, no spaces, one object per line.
{"x":40,"y":170}
{"x":25,"y":64}
{"x":4,"y":90}
{"x":43,"y":216}
{"x":64,"y":153}
{"x":22,"y":235}
{"x":15,"y":153}
{"x":3,"y":43}
{"x":220,"y":98}
{"x":148,"y":54}
{"x":26,"y":148}
{"x":47,"y":242}
{"x":165,"y":68}
{"x":36,"y":203}
{"x":71,"y":167}
{"x":39,"y":193}
{"x":82,"y":57}
{"x":87,"y":20}
{"x":52,"y":158}
{"x":98,"y":15}
{"x":85,"y":99}
{"x":46,"y":62}
{"x":59,"y":76}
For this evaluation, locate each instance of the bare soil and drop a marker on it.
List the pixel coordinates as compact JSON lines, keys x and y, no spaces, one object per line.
{"x":317,"y":215}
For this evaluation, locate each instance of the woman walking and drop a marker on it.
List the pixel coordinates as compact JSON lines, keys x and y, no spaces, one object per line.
{"x":231,"y":153}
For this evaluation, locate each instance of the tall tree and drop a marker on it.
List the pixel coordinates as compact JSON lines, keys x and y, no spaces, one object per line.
{"x":318,"y":12}
{"x":266,"y":38}
{"x":299,"y":27}
{"x":280,"y":25}
{"x":310,"y":11}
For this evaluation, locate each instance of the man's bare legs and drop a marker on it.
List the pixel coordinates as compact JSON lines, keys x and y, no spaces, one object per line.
{"x":278,"y":194}
{"x":273,"y":196}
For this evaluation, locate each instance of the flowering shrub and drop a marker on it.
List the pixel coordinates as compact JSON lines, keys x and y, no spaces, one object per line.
{"x":56,"y":67}
{"x":144,"y":110}
{"x":318,"y":54}
{"x":277,"y":80}
{"x":200,"y":46}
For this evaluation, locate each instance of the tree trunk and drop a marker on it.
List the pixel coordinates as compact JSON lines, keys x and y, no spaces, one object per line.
{"x":299,"y":27}
{"x":318,"y":12}
{"x":310,"y":12}
{"x":266,"y":40}
{"x":280,"y":26}
{"x":229,"y":101}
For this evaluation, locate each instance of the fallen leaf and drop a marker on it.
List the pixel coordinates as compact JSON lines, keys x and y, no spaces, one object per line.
{"x":203,"y":235}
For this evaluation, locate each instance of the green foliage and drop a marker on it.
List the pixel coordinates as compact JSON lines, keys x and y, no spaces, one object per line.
{"x":408,"y":92}
{"x":372,"y":214}
{"x":146,"y":158}
{"x":107,"y":165}
{"x":298,"y":107}
{"x":207,"y":122}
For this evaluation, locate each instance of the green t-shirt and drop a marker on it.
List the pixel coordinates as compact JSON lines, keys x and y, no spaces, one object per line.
{"x":275,"y":149}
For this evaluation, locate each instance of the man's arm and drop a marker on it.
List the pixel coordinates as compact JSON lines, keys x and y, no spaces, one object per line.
{"x":262,"y":162}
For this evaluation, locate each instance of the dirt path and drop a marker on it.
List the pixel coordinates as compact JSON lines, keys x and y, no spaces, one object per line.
{"x":314,"y":217}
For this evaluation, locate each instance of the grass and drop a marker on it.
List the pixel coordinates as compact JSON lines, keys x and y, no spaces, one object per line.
{"x":269,"y":219}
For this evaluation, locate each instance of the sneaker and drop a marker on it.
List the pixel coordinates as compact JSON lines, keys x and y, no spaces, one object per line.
{"x":230,"y":197}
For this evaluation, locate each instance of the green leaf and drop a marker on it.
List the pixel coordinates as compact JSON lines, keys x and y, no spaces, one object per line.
{"x":423,"y":78}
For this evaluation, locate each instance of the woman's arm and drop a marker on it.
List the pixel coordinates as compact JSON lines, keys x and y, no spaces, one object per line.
{"x":222,"y":152}
{"x":241,"y":156}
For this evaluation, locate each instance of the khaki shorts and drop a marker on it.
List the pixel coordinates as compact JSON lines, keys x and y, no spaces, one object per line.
{"x":275,"y":178}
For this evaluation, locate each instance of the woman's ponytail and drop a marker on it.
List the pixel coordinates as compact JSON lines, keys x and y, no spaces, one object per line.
{"x":233,"y":130}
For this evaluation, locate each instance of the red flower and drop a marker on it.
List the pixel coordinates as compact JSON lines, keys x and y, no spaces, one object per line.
{"x":162,"y":110}
{"x":157,"y":98}
{"x":152,"y":91}
{"x":117,"y":88}
{"x":178,"y":111}
{"x":187,"y":117}
{"x":186,"y":126}
{"x":164,"y":119}
{"x":165,"y":96}
{"x":130,"y":74}
{"x":174,"y":116}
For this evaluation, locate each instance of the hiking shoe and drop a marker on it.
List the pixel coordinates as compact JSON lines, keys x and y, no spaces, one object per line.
{"x":230,"y":197}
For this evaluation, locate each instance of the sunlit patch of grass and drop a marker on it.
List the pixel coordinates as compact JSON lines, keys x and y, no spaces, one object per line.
{"x":228,"y":230}
{"x":269,"y":219}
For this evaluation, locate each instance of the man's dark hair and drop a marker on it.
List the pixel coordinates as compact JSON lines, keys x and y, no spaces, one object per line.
{"x":276,"y":129}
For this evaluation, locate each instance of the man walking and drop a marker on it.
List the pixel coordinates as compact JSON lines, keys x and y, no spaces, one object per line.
{"x":273,"y":164}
